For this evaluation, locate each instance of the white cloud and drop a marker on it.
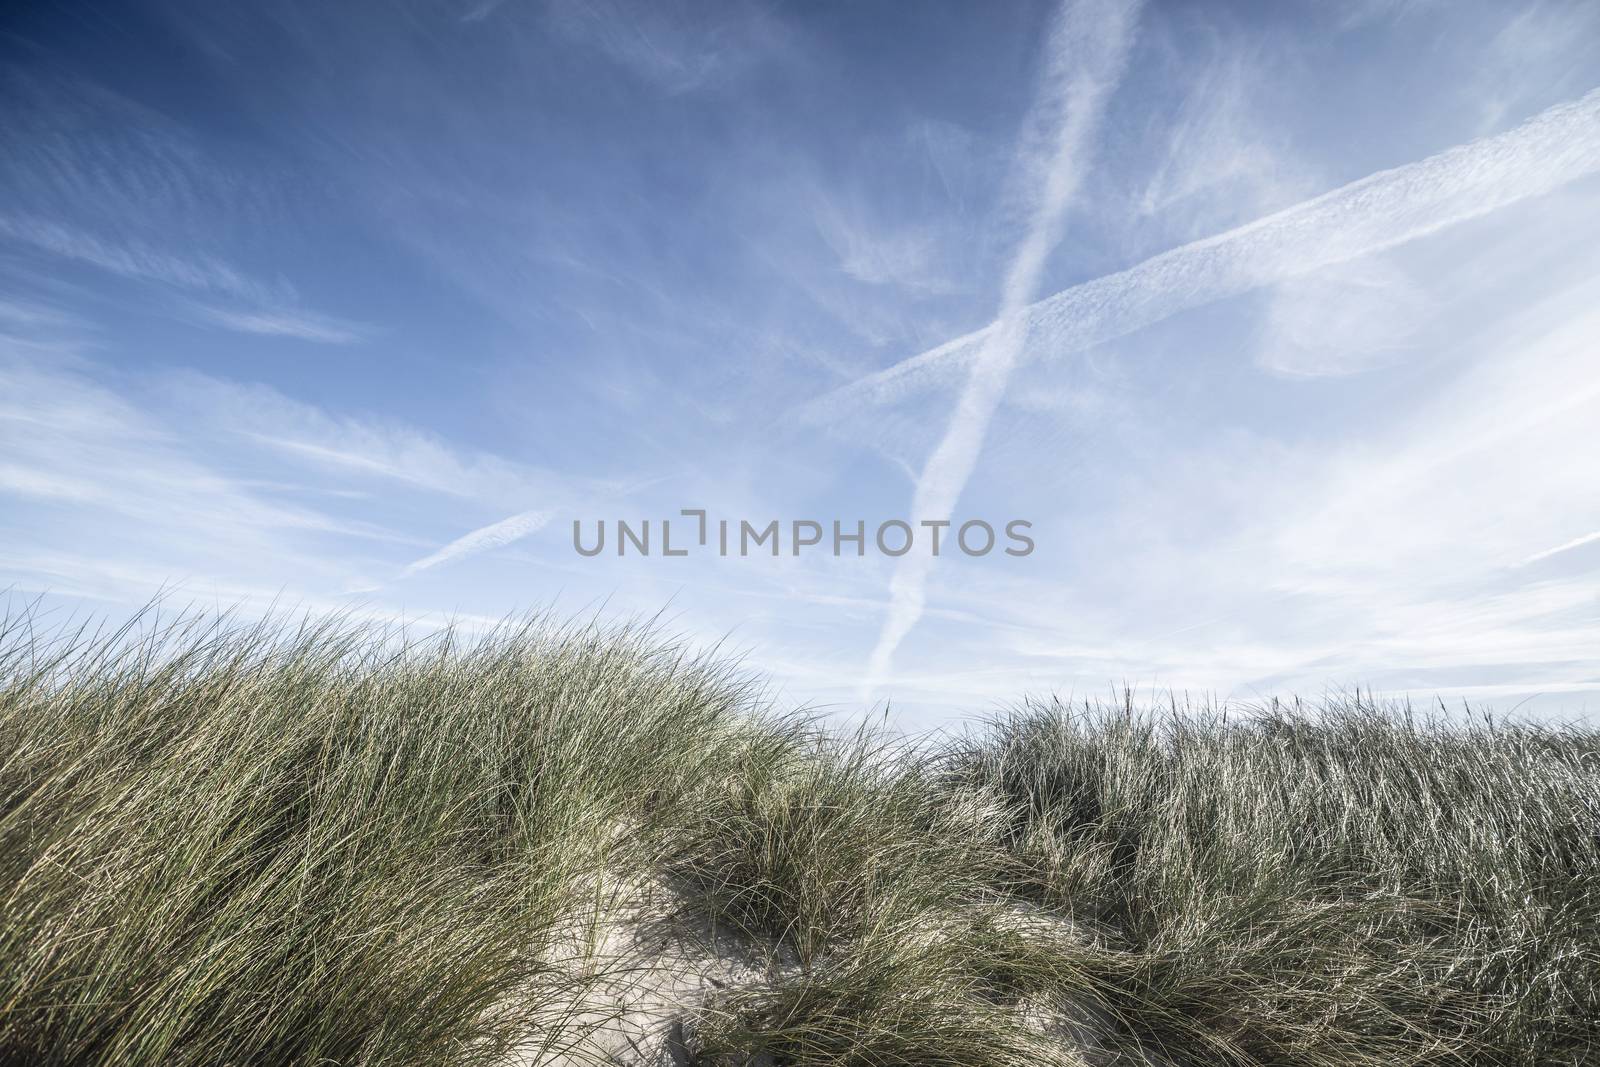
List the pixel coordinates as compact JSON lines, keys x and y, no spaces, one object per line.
{"x":94,"y":475}
{"x":680,"y":48}
{"x":92,"y":177}
{"x":907,"y":256}
{"x":302,"y":326}
{"x":1341,"y":320}
{"x":1218,"y":163}
{"x":355,"y":446}
{"x":1354,"y":14}
{"x":135,"y":259}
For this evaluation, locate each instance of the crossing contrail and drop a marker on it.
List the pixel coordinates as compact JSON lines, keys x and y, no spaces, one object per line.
{"x":1377,"y":212}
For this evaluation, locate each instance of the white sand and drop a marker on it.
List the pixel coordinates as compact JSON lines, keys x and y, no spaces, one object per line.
{"x":651,"y":966}
{"x":648,"y":966}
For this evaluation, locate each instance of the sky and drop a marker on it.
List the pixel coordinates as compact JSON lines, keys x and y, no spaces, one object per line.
{"x":1278,"y":323}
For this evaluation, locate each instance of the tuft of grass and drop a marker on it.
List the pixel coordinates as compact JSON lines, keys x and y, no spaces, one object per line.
{"x":320,"y":844}
{"x":1355,"y":884}
{"x":325,"y":843}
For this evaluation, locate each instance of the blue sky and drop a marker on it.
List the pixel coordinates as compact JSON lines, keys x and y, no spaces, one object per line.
{"x":1279,"y":321}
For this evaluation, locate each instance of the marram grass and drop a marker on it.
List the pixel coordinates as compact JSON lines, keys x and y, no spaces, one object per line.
{"x":327,"y":844}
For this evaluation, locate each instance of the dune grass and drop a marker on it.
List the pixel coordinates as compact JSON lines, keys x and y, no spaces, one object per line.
{"x":324,"y":843}
{"x":1354,"y":885}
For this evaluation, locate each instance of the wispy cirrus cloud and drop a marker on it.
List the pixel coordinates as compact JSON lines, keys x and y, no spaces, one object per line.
{"x":90,"y":461}
{"x":133,"y":258}
{"x":350,"y":445}
{"x":303,"y":326}
{"x":1218,"y":161}
{"x":31,"y":325}
{"x":93,"y":178}
{"x":88,"y":466}
{"x":680,"y":48}
{"x":1343,"y":319}
{"x":266,"y":309}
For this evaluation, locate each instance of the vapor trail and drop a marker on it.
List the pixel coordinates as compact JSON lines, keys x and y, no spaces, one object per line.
{"x":1085,"y":57}
{"x":1576,"y":542}
{"x":1377,"y":212}
{"x":481,"y":540}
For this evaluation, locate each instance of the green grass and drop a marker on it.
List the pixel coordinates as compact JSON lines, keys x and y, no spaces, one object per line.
{"x":326,"y":844}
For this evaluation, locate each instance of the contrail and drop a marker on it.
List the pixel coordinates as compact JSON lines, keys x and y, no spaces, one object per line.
{"x":1576,"y":542}
{"x":1086,"y":55}
{"x":1377,"y":212}
{"x":481,"y":540}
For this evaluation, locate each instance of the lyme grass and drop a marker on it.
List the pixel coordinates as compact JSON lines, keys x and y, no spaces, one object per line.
{"x":330,"y":843}
{"x":1354,"y":885}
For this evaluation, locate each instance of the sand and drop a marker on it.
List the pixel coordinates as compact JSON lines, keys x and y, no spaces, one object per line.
{"x":647,"y":964}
